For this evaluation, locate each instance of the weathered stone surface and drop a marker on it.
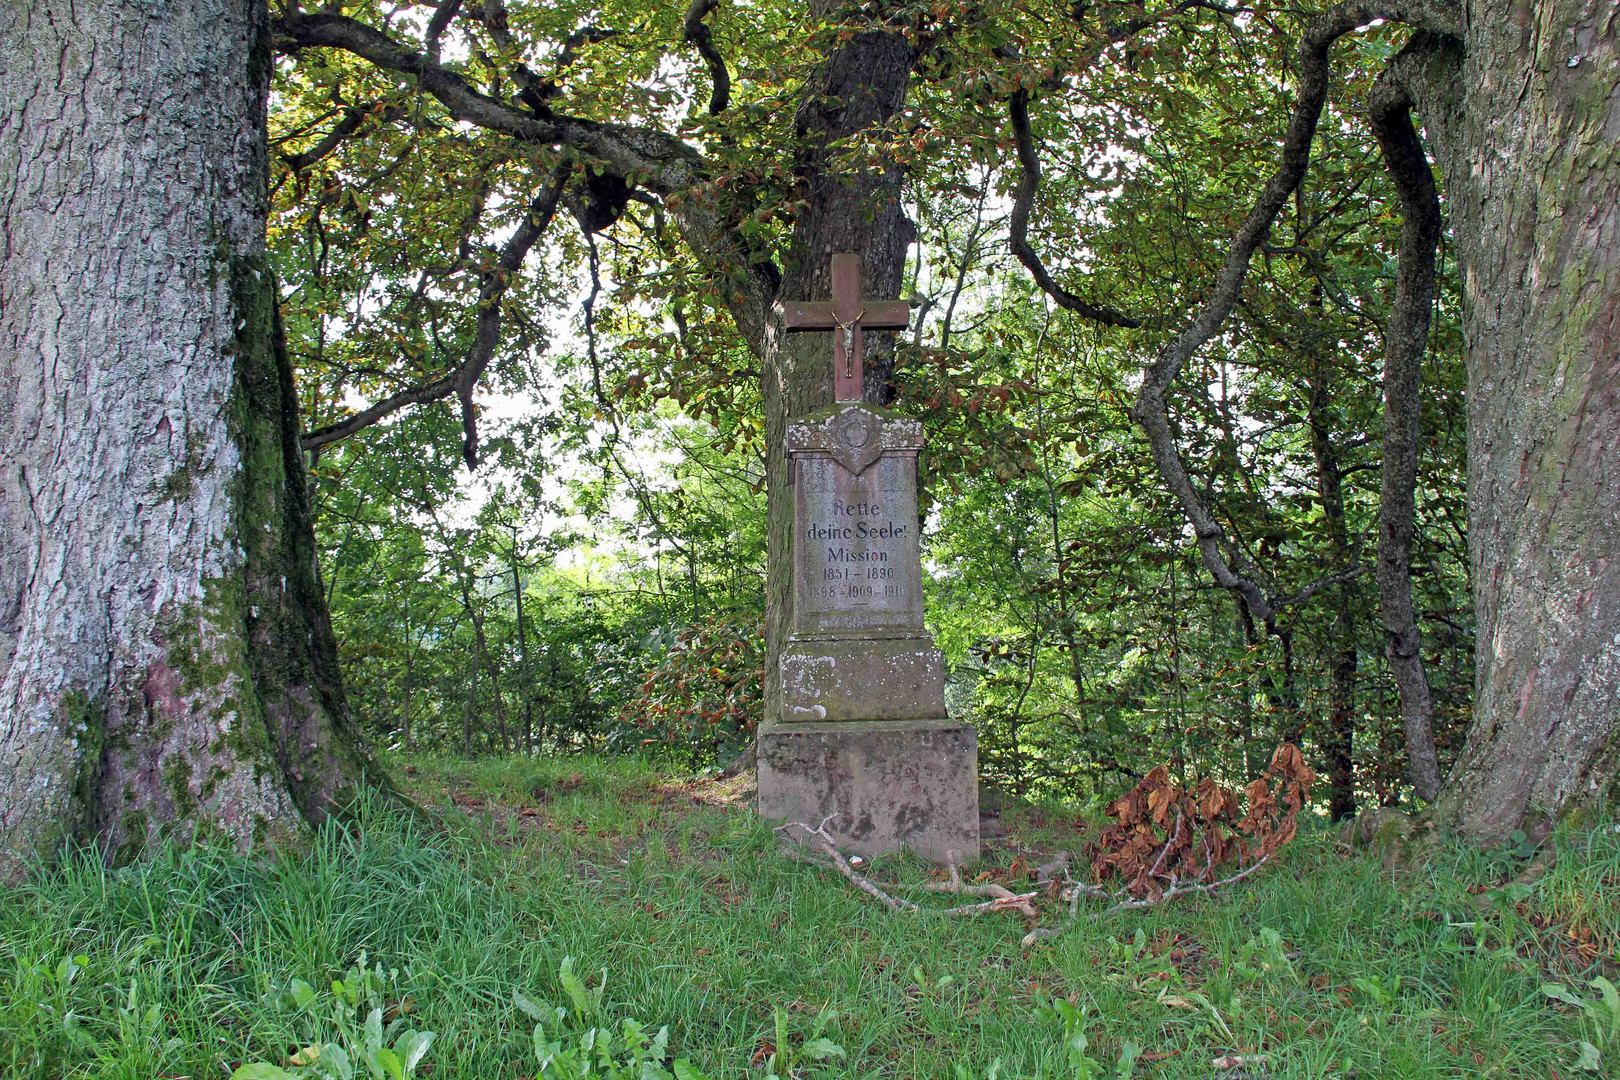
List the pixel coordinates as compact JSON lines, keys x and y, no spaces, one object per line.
{"x":894,"y":677}
{"x":887,"y":784}
{"x":857,"y":562}
{"x":862,"y":735}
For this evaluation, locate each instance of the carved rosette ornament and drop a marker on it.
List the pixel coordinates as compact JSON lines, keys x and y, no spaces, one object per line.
{"x":854,"y":434}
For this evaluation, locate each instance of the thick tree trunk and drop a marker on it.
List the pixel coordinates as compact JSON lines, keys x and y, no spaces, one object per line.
{"x":1526,"y":115}
{"x":166,"y":665}
{"x":862,"y":83}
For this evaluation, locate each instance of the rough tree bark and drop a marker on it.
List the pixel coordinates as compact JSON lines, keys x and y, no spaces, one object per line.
{"x":861,"y":84}
{"x":1522,"y":102}
{"x":1406,"y":334}
{"x":166,"y":664}
{"x":1524,"y":113}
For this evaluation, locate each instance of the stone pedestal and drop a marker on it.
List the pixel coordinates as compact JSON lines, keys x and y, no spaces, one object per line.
{"x":899,"y":677}
{"x":888,"y":783}
{"x":862,"y":733}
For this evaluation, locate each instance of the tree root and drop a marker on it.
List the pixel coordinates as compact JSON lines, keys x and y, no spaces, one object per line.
{"x":1399,"y":839}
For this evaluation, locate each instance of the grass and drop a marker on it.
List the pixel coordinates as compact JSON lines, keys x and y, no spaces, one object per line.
{"x":1321,"y":965}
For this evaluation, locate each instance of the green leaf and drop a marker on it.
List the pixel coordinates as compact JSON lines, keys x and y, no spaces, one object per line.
{"x":684,"y":1071}
{"x":1611,"y":1000}
{"x":1127,"y":1059}
{"x":822,"y":1049}
{"x":389,"y":1062}
{"x":1561,"y":993}
{"x":585,"y":999}
{"x":75,"y":1033}
{"x":530,"y":1007}
{"x":1589,"y":1058}
{"x":302,"y":994}
{"x":337,"y":1060}
{"x":260,"y":1070}
{"x":412,"y":1047}
{"x":374,"y":1031}
{"x":68,"y":968}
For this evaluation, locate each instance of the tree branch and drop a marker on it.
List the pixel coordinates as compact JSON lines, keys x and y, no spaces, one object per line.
{"x":1029,"y":177}
{"x":1150,"y":410}
{"x":1317,"y":586}
{"x":438,"y":25}
{"x":1029,"y":182}
{"x":1123,"y":902}
{"x":1181,"y":888}
{"x":354,"y":117}
{"x":439,"y":388}
{"x":651,"y":158}
{"x":464,"y":378}
{"x":818,"y":837}
{"x":699,"y":34}
{"x":641,"y":156}
{"x":1406,"y":335}
{"x":1020,"y":902}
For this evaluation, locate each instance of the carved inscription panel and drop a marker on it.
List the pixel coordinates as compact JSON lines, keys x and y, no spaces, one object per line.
{"x":856,"y":548}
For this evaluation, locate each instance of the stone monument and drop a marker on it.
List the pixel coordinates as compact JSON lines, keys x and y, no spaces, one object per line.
{"x":862,"y":736}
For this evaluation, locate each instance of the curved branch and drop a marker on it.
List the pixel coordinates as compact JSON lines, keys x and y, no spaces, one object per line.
{"x":1029,"y":177}
{"x":1317,"y":586}
{"x":464,"y":378}
{"x":652,"y":158}
{"x":641,"y":156}
{"x":698,"y":33}
{"x":354,"y":117}
{"x":1389,"y":108}
{"x":439,"y":388}
{"x":438,"y":25}
{"x":1029,"y":181}
{"x":1150,"y":410}
{"x":585,"y":35}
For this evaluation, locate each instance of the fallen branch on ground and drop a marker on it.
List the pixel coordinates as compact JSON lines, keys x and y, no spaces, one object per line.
{"x":1167,"y":839}
{"x":1182,"y":888}
{"x":1010,"y":899}
{"x":817,"y":836}
{"x":1124,"y":902}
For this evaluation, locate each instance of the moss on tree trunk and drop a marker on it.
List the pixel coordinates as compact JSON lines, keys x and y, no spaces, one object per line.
{"x":166,"y":663}
{"x":1525,"y":114}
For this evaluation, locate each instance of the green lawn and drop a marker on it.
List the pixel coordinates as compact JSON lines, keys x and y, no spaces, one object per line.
{"x":1320,"y":965}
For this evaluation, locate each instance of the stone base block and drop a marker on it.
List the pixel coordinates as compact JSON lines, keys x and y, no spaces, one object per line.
{"x":868,"y":678}
{"x":888,"y":784}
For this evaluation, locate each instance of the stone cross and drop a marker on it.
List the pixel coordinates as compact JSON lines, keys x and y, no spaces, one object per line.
{"x":861,"y":738}
{"x":847,"y":315}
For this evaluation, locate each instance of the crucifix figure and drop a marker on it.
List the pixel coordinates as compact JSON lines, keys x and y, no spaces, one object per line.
{"x":847,"y":315}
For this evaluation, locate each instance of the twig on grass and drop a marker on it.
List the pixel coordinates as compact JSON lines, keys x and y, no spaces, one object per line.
{"x":1009,"y":899}
{"x":1181,"y":888}
{"x":1005,"y":900}
{"x":1001,"y":897}
{"x":818,"y":836}
{"x":1123,"y":902}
